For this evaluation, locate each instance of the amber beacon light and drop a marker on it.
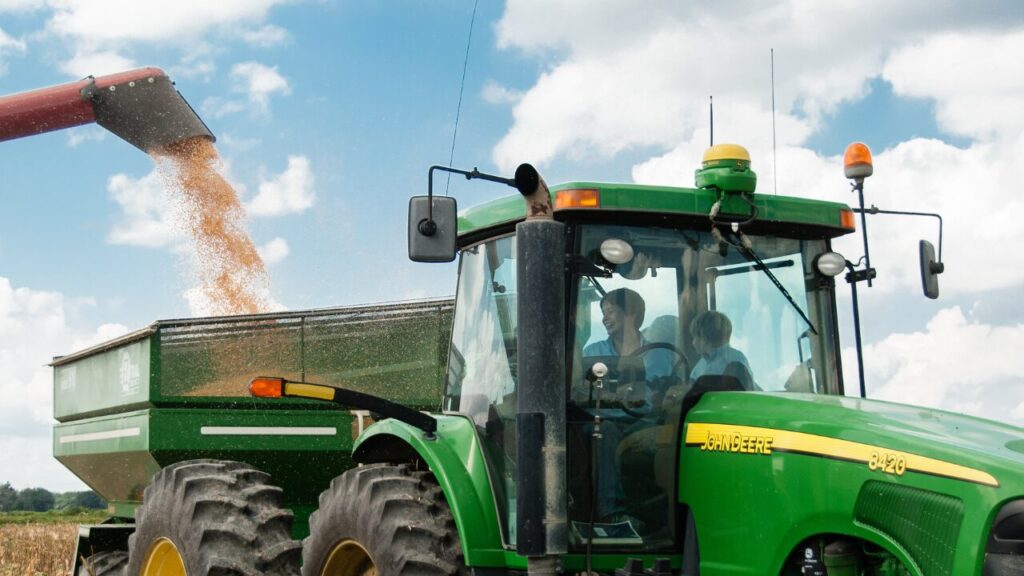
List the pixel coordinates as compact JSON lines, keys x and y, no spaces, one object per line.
{"x":857,"y":161}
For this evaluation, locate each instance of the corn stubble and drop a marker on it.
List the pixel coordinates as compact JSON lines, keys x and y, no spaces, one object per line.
{"x":231,"y":273}
{"x":31,"y":549}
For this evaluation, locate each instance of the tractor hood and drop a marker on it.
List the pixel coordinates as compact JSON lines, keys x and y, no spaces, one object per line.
{"x":989,"y":448}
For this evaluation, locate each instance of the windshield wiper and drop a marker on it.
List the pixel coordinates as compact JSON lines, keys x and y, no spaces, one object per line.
{"x":747,"y":250}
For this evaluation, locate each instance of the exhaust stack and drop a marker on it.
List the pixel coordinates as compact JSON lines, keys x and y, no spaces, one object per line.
{"x":140,"y":106}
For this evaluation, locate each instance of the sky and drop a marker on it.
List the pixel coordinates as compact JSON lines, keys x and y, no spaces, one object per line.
{"x":329,"y":112}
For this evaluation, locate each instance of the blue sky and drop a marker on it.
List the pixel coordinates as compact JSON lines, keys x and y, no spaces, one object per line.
{"x":339,"y":107}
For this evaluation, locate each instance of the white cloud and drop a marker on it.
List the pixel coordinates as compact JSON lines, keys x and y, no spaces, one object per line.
{"x":955,"y":363}
{"x":152,"y":20}
{"x":494,"y":93}
{"x":274,"y":251}
{"x":87,"y":61}
{"x":198,"y":62}
{"x":257,"y":82}
{"x":147,"y":213}
{"x":265,"y":36}
{"x":9,"y":45}
{"x":260,"y":82}
{"x":26,"y":399}
{"x":626,"y":79}
{"x":291,"y":191}
{"x":18,"y":5}
{"x":227,"y":140}
{"x":77,"y":136}
{"x":976,"y":86}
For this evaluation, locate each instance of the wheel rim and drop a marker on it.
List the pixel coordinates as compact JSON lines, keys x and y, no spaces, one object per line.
{"x":163,"y":559}
{"x":349,"y":558}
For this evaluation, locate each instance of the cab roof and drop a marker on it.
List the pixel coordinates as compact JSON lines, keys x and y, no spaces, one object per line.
{"x":826,"y":218}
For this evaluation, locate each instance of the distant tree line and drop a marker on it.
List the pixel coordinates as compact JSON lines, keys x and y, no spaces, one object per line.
{"x":41,"y":499}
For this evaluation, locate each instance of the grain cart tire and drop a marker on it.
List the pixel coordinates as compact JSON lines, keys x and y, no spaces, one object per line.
{"x":104,"y":564}
{"x":205,"y":517}
{"x":383,"y":519}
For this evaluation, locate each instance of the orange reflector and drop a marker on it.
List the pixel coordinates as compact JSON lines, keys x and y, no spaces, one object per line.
{"x":846,"y":220}
{"x":577,"y":198}
{"x":857,"y":161}
{"x":266,"y":387}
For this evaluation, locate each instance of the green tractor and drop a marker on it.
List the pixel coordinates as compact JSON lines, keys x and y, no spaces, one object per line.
{"x":640,"y":380}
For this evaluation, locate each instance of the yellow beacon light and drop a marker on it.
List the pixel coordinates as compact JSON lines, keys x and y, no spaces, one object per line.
{"x":857,"y":161}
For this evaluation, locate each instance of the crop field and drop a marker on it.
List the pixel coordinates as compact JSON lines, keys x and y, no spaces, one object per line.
{"x":38,"y":544}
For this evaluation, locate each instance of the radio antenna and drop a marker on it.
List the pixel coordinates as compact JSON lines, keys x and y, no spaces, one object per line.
{"x":462,"y":86}
{"x":775,"y":162}
{"x":711,"y":113}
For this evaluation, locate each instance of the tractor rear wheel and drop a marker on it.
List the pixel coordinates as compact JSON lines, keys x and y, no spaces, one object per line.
{"x":104,"y":564}
{"x":383,"y":519}
{"x":202,"y":517}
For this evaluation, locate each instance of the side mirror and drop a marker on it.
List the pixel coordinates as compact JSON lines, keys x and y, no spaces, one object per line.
{"x":432,"y":228}
{"x":930,"y":269}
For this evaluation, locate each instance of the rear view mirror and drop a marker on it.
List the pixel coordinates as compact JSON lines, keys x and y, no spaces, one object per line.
{"x":930,"y":269}
{"x":432,"y":228}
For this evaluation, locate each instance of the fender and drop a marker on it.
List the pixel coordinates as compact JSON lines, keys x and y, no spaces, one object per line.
{"x":455,"y":457}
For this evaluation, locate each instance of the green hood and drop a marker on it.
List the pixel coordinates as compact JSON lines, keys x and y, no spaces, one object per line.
{"x":991,"y":447}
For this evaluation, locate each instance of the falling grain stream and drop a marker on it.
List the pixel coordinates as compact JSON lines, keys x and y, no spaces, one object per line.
{"x":230,"y":272}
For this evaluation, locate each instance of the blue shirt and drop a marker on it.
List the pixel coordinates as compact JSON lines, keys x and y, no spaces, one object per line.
{"x":716,"y":362}
{"x":657,"y":362}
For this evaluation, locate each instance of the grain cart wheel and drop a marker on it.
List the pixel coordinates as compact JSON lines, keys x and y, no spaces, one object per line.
{"x":382,"y":519}
{"x":203,"y":517}
{"x":104,"y":564}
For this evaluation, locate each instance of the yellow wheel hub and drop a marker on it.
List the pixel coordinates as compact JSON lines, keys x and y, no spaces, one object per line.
{"x":349,"y":558}
{"x":163,"y":559}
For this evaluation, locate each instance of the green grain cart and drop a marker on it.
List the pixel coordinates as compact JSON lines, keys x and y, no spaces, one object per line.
{"x":639,"y":380}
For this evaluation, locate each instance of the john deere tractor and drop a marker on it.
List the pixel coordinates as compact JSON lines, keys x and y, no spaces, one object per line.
{"x":635,"y":380}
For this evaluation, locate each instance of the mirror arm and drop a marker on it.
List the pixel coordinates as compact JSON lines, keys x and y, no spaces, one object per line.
{"x":876,"y":210}
{"x":428,"y":227}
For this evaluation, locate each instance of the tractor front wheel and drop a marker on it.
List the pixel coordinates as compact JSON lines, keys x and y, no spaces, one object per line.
{"x":202,"y":517}
{"x":383,"y":519}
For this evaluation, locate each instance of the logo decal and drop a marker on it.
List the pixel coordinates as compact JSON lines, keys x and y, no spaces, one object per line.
{"x":768,"y":441}
{"x":131,"y":379}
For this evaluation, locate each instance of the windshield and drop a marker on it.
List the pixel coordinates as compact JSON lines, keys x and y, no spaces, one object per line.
{"x":682,"y":306}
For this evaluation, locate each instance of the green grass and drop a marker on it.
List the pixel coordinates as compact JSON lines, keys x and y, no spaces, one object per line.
{"x":71,"y":515}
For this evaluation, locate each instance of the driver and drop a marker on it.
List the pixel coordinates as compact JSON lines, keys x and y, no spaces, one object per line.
{"x":622,"y":313}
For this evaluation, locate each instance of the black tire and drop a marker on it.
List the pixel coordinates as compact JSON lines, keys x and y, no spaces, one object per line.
{"x":221,"y":518}
{"x":390,"y":518}
{"x":104,"y":564}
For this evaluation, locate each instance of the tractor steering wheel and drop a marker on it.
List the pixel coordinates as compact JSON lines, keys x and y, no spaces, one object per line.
{"x":681,"y":362}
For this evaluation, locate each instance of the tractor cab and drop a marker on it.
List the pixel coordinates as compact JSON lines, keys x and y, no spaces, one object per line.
{"x":665,"y":288}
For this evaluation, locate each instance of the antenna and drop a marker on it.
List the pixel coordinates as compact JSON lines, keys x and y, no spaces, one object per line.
{"x":775,"y":163}
{"x":711,"y":112}
{"x":462,"y":86}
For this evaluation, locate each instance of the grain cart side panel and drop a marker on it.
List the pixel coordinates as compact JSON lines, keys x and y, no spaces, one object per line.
{"x":114,"y":377}
{"x":110,"y":454}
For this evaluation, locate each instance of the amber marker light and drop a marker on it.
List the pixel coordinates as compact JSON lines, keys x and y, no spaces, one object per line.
{"x":266,"y":387}
{"x":857,"y":161}
{"x":577,"y":198}
{"x":846,"y":219}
